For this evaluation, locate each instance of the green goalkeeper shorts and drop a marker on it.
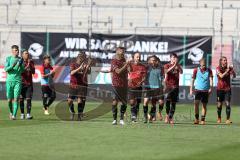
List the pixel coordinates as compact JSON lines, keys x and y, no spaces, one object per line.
{"x":13,"y":89}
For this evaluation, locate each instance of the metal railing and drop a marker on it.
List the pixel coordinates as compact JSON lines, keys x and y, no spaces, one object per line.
{"x":146,"y":3}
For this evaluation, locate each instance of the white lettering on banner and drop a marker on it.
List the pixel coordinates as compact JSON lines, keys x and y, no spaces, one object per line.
{"x":70,"y":43}
{"x":76,"y":43}
{"x":137,"y":47}
{"x":110,"y":55}
{"x":64,"y":54}
{"x":165,"y":57}
{"x":145,"y":46}
{"x":97,"y":44}
{"x":92,"y":43}
{"x":83,"y":43}
{"x":67,"y":54}
{"x":104,"y":44}
{"x":163,"y":47}
{"x":104,"y":56}
{"x":73,"y":54}
{"x":95,"y":54}
{"x":153,"y":46}
{"x":130,"y":48}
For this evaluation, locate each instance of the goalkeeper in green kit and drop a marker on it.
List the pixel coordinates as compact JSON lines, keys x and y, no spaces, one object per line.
{"x":13,"y":67}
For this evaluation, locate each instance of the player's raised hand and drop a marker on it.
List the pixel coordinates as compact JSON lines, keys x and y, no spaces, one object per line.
{"x":176,"y":61}
{"x":81,"y":66}
{"x":15,"y":63}
{"x":29,"y":61}
{"x":230,"y":67}
{"x":129,"y":61}
{"x":90,"y":62}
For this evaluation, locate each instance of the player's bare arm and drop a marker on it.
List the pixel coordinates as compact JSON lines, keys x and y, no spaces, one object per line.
{"x":77,"y":70}
{"x":211,"y":84}
{"x":88,"y":67}
{"x":49,"y":74}
{"x":170,"y":69}
{"x":191,"y":86}
{"x":222,"y":75}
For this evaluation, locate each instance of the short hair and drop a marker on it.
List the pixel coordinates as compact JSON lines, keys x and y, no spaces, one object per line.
{"x":122,"y":48}
{"x":24,"y":50}
{"x":173,"y":55}
{"x":15,"y":47}
{"x":202,"y":60}
{"x":46,"y":57}
{"x":153,"y":56}
{"x":158,"y":59}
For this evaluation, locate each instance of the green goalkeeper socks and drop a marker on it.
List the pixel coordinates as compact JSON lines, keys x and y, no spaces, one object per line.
{"x":10,"y":107}
{"x":15,"y":108}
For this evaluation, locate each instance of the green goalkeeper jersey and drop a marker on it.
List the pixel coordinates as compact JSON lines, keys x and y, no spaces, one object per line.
{"x":14,"y":73}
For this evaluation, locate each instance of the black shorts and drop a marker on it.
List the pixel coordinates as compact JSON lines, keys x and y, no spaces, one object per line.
{"x":120,"y":94}
{"x":26,"y":91}
{"x":48,"y":91}
{"x":201,"y":96}
{"x":77,"y":92}
{"x":154,"y":93}
{"x":223,"y":95}
{"x":172,"y":95}
{"x":135,"y":93}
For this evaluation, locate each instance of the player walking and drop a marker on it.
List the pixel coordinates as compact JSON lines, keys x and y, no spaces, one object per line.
{"x":27,"y":85}
{"x":136,"y":76}
{"x":14,"y":68}
{"x":78,"y":84}
{"x":153,"y":87}
{"x":202,"y":79}
{"x":224,"y":73}
{"x":172,"y":73}
{"x":48,"y":91}
{"x":119,"y":84}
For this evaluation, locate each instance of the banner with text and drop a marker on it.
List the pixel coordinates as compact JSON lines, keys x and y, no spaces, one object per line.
{"x":62,"y":47}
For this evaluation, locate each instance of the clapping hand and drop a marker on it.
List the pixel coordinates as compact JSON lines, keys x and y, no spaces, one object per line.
{"x":15,"y":63}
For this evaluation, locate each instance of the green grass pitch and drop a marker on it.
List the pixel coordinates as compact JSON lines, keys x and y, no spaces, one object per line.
{"x":48,"y":138}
